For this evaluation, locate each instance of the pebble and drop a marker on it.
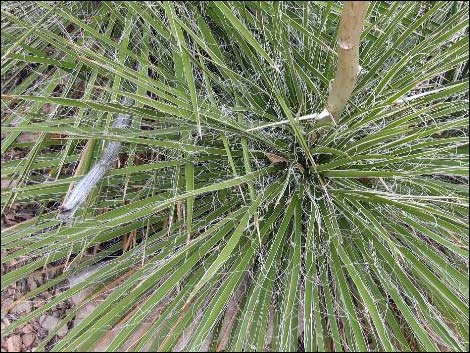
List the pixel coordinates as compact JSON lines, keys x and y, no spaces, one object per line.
{"x":28,"y":328}
{"x":46,"y":295}
{"x":84,"y":312}
{"x":28,"y":340}
{"x":14,"y":343}
{"x":38,"y":277}
{"x":22,"y":307}
{"x":39,"y":302}
{"x":32,"y":283}
{"x":78,"y":298}
{"x":49,"y":323}
{"x":5,"y":304}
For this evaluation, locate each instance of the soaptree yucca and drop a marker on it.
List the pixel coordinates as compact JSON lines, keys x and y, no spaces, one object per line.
{"x":240,"y":175}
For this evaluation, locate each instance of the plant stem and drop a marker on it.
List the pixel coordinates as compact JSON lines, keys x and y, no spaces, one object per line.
{"x":347,"y":69}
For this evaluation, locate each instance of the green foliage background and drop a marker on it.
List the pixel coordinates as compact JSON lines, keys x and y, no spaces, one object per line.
{"x":347,"y":237}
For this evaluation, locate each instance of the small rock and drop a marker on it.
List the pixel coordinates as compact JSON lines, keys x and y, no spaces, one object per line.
{"x":78,"y":298}
{"x":13,"y":343}
{"x":52,"y":271}
{"x":47,"y":108}
{"x":36,"y":325}
{"x":38,"y":278}
{"x":32,"y":285}
{"x":22,"y":307}
{"x":28,"y":328}
{"x":46,"y":295}
{"x":8,"y":184}
{"x":39,"y":302}
{"x":27,"y":137}
{"x":5,"y":305}
{"x":28,"y":340}
{"x":49,"y":323}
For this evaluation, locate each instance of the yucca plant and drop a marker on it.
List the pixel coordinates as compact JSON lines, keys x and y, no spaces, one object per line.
{"x":230,"y":205}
